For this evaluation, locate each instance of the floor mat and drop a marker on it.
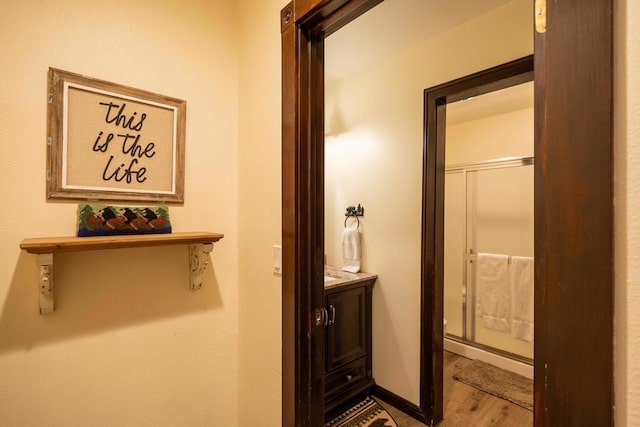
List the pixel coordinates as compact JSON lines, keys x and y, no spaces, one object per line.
{"x":498,"y":382}
{"x":368,"y":413}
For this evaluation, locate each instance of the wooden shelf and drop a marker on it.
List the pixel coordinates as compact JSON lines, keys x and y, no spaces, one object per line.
{"x":200,"y":246}
{"x":45,"y":245}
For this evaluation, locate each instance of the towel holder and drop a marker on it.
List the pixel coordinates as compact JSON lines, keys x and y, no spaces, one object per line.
{"x":353,"y":212}
{"x":357,"y":219}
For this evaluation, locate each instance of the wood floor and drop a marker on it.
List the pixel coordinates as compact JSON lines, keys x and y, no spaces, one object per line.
{"x":466,"y":406}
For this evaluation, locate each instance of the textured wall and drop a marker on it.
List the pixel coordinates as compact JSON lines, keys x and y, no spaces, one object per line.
{"x":128,"y":344}
{"x":260,"y":302}
{"x":627,"y":208}
{"x":136,"y":348}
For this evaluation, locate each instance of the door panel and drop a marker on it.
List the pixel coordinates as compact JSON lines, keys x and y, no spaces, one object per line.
{"x":346,"y":336}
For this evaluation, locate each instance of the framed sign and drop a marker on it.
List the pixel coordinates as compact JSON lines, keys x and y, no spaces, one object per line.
{"x":112,"y":142}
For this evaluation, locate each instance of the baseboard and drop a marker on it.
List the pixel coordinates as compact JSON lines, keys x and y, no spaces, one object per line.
{"x":520,"y":368}
{"x":347,"y":399}
{"x":400,"y":403}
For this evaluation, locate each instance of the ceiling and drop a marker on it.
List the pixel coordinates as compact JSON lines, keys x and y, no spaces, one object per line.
{"x":396,"y":25}
{"x":490,"y":104}
{"x":393,"y":26}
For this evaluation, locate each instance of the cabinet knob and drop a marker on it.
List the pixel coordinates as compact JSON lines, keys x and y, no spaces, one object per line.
{"x":349,"y":377}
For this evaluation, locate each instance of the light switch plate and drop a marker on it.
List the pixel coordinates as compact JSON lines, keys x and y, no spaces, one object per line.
{"x":277,"y":259}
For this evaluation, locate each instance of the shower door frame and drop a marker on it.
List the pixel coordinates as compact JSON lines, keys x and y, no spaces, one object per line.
{"x":469,"y":308}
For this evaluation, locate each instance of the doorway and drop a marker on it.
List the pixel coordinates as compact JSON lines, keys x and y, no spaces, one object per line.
{"x":479,"y":205}
{"x":574,"y":272}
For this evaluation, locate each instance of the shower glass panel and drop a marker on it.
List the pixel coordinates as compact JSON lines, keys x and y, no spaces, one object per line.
{"x":488,"y":210}
{"x":454,"y":249}
{"x":488,"y":219}
{"x":500,"y":203}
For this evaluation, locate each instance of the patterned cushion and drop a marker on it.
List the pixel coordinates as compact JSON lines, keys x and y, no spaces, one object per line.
{"x":107,"y":220}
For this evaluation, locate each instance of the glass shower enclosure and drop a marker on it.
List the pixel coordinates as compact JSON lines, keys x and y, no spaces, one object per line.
{"x":489,"y":209}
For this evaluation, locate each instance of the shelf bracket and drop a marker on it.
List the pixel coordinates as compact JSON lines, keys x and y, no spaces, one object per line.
{"x":198,"y":261}
{"x":200,"y":246}
{"x":45,"y":282}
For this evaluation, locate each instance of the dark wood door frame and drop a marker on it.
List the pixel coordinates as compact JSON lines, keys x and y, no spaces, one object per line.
{"x":574,"y":226}
{"x":435,"y":106}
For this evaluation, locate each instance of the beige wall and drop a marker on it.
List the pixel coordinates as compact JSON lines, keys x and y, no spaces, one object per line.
{"x":260,"y":214}
{"x":501,"y":135}
{"x":374,"y":157}
{"x":627,"y":206}
{"x":128,"y":344}
{"x":136,"y":349}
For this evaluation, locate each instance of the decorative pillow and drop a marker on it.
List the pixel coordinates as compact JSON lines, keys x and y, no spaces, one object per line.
{"x":107,"y":220}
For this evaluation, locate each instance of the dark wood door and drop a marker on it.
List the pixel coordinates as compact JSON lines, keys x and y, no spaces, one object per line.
{"x":574,"y":225}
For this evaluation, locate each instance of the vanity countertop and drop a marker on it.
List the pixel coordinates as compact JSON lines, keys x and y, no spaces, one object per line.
{"x":340,"y":278}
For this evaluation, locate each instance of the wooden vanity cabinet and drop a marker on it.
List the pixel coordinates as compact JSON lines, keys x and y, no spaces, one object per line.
{"x":348,"y":361}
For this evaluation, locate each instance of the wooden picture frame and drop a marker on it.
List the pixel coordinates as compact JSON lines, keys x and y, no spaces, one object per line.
{"x":106,"y":141}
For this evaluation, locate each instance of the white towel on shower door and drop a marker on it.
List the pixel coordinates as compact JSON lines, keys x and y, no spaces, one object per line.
{"x":492,"y":287}
{"x":351,"y":249}
{"x":521,"y":282}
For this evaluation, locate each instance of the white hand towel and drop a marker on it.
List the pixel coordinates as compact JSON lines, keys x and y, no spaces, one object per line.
{"x":492,"y":287}
{"x":351,"y":249}
{"x":521,"y":282}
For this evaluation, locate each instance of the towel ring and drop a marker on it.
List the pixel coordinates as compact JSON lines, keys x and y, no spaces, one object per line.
{"x":351,"y":216}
